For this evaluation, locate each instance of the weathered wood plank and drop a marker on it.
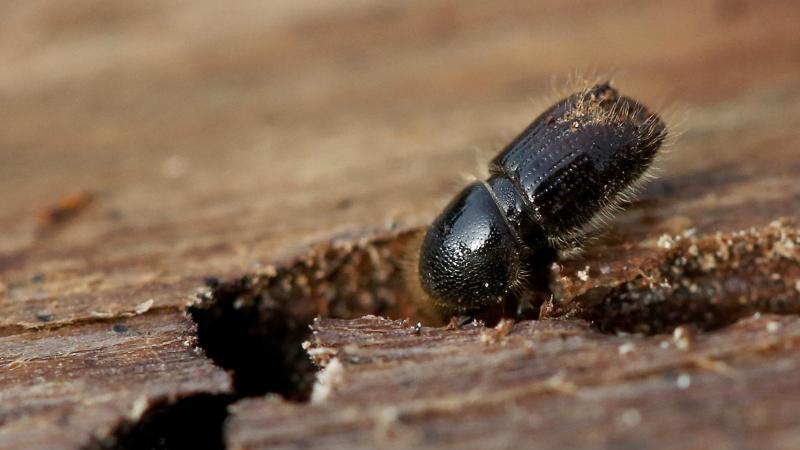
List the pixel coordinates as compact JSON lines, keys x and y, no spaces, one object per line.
{"x":546,"y":384}
{"x":217,"y":140}
{"x":63,"y":387}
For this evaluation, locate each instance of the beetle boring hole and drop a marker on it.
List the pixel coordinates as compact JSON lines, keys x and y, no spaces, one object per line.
{"x":260,"y":344}
{"x":706,"y":282}
{"x":192,"y":422}
{"x":707,"y":311}
{"x":254,"y":326}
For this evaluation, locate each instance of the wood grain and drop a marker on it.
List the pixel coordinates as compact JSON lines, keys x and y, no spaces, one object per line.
{"x":545,"y":384}
{"x":61,"y":388}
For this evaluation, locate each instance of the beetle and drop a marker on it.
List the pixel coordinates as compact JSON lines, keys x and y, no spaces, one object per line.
{"x":553,"y":185}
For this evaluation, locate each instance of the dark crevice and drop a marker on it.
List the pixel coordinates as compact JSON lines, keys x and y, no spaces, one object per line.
{"x":193,"y":422}
{"x":705,"y":283}
{"x":706,"y":306}
{"x":259,"y":343}
{"x":254,"y":327}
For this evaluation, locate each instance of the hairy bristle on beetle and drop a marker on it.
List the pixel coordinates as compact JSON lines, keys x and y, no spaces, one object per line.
{"x":651,"y":135}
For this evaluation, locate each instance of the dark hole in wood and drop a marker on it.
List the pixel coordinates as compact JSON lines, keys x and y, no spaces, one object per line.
{"x":255,"y":325}
{"x":259,"y":343}
{"x":190,"y":423}
{"x":706,"y":282}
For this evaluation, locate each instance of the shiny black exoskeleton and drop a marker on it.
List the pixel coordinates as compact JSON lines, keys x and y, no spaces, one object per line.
{"x":571,"y":167}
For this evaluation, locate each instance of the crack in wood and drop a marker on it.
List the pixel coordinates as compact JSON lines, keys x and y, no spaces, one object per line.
{"x":187,"y":423}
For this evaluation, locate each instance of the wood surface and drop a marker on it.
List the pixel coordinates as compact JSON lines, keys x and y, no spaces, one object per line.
{"x":293,"y":150}
{"x":545,"y":384}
